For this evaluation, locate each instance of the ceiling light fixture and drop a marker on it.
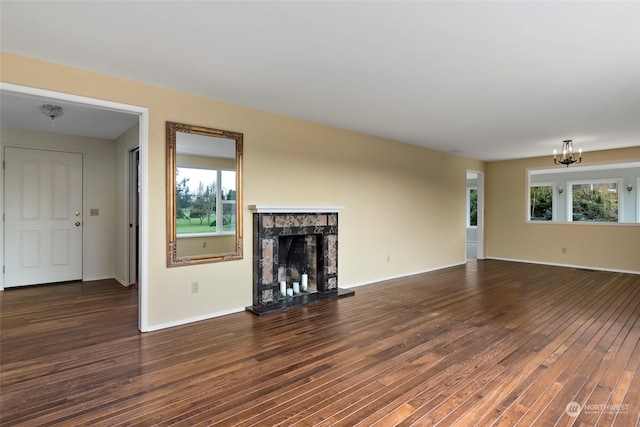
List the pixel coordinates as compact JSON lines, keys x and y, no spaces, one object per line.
{"x":52,"y":111}
{"x":567,"y":158}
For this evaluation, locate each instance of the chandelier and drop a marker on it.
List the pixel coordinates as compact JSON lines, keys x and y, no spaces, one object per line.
{"x":567,"y":157}
{"x":52,"y":111}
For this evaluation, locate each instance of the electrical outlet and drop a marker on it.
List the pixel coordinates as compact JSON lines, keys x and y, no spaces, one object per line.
{"x":388,"y":258}
{"x":204,"y":243}
{"x":195,"y":287}
{"x":564,"y":250}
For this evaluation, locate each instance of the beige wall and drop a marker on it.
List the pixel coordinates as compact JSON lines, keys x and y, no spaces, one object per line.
{"x":509,"y":236}
{"x":402,"y":202}
{"x":193,"y":246}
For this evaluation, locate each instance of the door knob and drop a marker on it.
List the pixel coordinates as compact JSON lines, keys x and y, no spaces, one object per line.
{"x":77,"y":223}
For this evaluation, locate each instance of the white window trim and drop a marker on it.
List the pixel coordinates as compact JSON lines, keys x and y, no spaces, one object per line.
{"x":186,"y":236}
{"x":569,"y":197}
{"x":637,"y":199}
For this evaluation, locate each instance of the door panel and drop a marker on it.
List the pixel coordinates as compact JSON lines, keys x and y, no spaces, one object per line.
{"x":30,"y":177}
{"x":29,"y":248}
{"x":43,"y":220}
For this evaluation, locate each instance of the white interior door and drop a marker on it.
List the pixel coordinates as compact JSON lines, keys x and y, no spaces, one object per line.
{"x":43,"y":216}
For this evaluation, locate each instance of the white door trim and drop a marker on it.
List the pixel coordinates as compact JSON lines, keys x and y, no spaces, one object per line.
{"x":143,"y":113}
{"x":480,"y":238}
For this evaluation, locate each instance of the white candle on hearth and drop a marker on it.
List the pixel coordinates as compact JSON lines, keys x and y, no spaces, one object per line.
{"x":283,"y":287}
{"x":296,"y":287}
{"x":289,"y":292}
{"x":305,"y":282}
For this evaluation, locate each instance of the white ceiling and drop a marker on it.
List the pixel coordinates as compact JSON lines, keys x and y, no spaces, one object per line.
{"x":24,"y":111}
{"x":489,"y":79}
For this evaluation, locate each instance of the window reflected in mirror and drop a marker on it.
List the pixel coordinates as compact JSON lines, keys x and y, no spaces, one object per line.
{"x":205,"y":201}
{"x":204,"y":205}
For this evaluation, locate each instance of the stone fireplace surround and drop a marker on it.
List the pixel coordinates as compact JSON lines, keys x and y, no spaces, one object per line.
{"x":275,"y":225}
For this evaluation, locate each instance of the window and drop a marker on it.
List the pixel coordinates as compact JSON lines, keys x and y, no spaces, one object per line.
{"x":205,"y":201}
{"x":595,"y":194}
{"x":594,"y":201}
{"x":228,"y":179}
{"x":541,"y":202}
{"x":472,"y":206}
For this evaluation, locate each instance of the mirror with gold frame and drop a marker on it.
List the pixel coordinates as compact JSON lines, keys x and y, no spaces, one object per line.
{"x":204,"y":195}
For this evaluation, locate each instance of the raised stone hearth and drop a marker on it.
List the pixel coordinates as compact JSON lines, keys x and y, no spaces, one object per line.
{"x":294,"y":244}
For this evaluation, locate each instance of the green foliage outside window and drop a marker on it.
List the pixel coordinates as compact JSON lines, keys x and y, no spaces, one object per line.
{"x":473,"y":207}
{"x":541,"y":203}
{"x":196,"y":203}
{"x":595,"y":202}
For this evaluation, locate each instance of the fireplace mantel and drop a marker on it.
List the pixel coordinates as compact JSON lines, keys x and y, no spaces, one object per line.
{"x":294,"y":209}
{"x":291,"y":241}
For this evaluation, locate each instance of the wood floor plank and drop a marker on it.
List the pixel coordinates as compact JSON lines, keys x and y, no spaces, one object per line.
{"x":487,"y":343}
{"x":563,"y":364}
{"x":580,"y":385}
{"x":490,"y":401}
{"x":627,"y":415}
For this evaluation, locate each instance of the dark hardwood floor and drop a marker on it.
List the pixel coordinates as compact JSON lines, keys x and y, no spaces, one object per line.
{"x":488,"y":343}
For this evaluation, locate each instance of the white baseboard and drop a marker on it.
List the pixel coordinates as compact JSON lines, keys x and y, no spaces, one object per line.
{"x":383,"y":279}
{"x":193,"y":319}
{"x":116,"y":278}
{"x":239,"y":309}
{"x":90,"y":279}
{"x":122,"y":281}
{"x":377,"y":280}
{"x":584,"y":267}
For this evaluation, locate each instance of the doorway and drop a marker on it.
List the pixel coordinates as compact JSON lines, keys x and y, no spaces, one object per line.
{"x":474,"y":191}
{"x":43,"y":216}
{"x":140,"y":115}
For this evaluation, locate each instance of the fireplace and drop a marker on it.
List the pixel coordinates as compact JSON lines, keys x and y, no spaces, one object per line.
{"x":299,"y":256}
{"x":295,"y":257}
